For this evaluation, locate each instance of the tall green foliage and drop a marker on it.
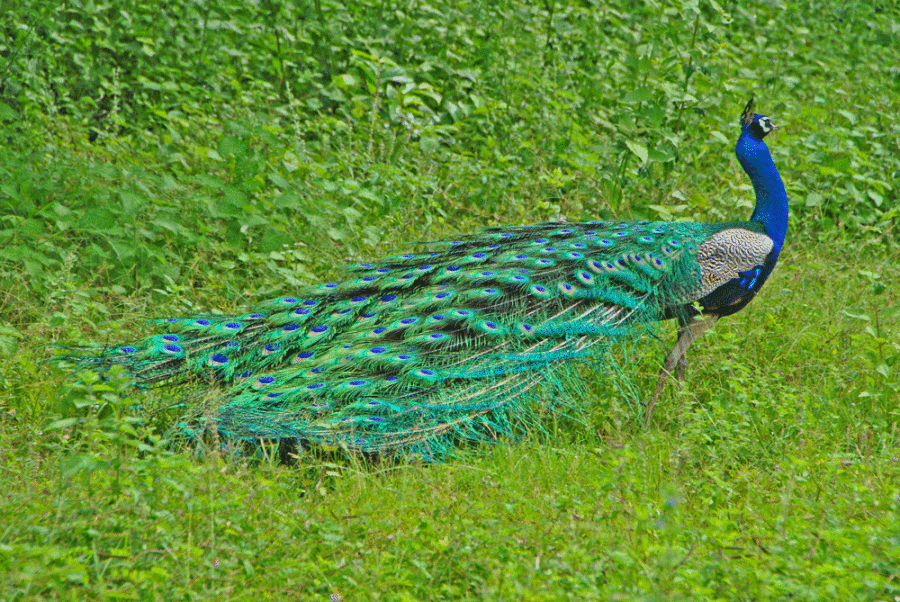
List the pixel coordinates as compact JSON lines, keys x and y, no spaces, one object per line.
{"x":187,"y":155}
{"x":289,"y":137}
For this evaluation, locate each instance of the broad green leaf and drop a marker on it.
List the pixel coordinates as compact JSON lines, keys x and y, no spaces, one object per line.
{"x":638,"y":149}
{"x":7,"y":113}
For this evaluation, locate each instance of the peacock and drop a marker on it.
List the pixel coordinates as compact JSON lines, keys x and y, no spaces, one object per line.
{"x":417,"y":353}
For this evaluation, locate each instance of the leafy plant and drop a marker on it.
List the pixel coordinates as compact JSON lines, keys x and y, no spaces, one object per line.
{"x":186,"y":156}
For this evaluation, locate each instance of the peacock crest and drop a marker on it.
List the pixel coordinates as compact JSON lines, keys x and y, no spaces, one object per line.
{"x":760,"y":125}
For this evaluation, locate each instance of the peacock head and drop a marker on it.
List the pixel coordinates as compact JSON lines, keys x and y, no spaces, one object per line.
{"x":756,"y":125}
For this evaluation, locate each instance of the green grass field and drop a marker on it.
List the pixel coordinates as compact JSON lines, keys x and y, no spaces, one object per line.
{"x":200,"y":156}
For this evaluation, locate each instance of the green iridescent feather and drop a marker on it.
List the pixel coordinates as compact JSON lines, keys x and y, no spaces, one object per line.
{"x":421,"y":349}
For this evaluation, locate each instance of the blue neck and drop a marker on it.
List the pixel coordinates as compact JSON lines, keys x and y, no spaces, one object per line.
{"x":771,"y":197}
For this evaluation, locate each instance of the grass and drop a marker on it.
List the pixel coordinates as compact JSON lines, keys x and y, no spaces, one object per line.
{"x":650,"y":518}
{"x":149,"y":174}
{"x":774,"y":474}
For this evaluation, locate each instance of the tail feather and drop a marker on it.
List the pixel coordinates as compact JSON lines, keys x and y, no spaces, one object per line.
{"x":421,"y":349}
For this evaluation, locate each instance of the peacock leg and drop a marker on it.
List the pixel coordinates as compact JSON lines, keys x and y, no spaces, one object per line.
{"x":681,"y":366}
{"x":677,"y":359}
